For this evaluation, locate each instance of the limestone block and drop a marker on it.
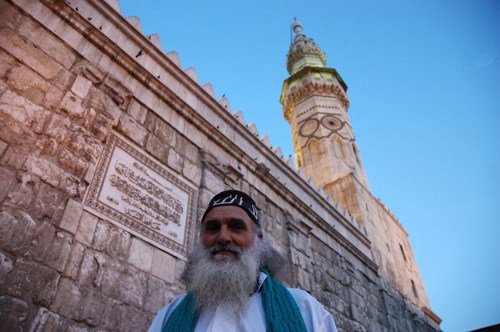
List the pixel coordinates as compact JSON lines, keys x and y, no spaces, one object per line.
{"x":28,"y":83}
{"x":102,"y":126}
{"x":184,"y":147}
{"x":72,"y":163}
{"x":22,"y":110}
{"x":192,"y":172}
{"x":32,"y":280}
{"x":304,"y":280}
{"x":141,"y":255}
{"x":47,"y":42}
{"x":45,"y":170}
{"x":79,"y":303}
{"x":6,"y":62}
{"x":74,"y":261}
{"x":84,"y":144}
{"x":123,"y":283}
{"x":159,"y":293}
{"x":112,"y":240}
{"x":132,"y":129}
{"x":161,"y":129}
{"x":89,"y":268}
{"x":104,"y":106}
{"x":51,"y":247}
{"x":81,"y":86}
{"x":13,"y":313}
{"x":137,"y":111}
{"x":28,"y":54}
{"x":163,"y":266}
{"x":157,"y":148}
{"x":86,"y":228}
{"x":17,"y":230}
{"x":71,"y":216}
{"x":48,"y":204}
{"x":72,"y":105}
{"x":175,"y":161}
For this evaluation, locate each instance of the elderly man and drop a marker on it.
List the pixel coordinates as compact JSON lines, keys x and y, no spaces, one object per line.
{"x":229,"y":283}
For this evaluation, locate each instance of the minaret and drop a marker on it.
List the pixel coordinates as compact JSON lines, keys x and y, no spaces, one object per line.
{"x":315,"y":103}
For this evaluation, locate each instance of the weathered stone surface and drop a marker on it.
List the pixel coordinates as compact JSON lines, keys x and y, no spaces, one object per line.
{"x":49,"y":44}
{"x":103,"y":105}
{"x":13,"y":313}
{"x":81,"y":86}
{"x":86,"y":228}
{"x":158,"y":295}
{"x":137,"y":111}
{"x":51,"y":247}
{"x":17,"y":229}
{"x":72,"y":105}
{"x":112,"y":240}
{"x":49,"y":204}
{"x":72,"y":163}
{"x":28,"y":83}
{"x":132,"y":129}
{"x":28,"y":54}
{"x":192,"y":172}
{"x":163,"y":266}
{"x":157,"y":148}
{"x":23,"y":111}
{"x":175,"y":160}
{"x":32,"y":280}
{"x":80,"y":303}
{"x":141,"y":255}
{"x":8,"y":181}
{"x":71,"y":216}
{"x":75,"y":260}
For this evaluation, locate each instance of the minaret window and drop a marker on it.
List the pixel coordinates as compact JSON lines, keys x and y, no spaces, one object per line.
{"x":414,"y":289}
{"x":402,"y":252}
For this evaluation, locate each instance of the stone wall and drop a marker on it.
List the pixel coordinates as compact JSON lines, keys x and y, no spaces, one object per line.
{"x":76,"y":77}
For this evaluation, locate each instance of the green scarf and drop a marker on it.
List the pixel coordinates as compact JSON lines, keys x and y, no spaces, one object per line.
{"x":282,"y":313}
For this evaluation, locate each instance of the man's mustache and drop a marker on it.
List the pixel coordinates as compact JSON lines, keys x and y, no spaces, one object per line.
{"x":225,"y":247}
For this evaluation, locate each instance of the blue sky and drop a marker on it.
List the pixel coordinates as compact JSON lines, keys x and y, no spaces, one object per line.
{"x":424,"y":85}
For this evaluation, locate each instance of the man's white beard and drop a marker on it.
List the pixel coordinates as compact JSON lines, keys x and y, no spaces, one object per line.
{"x":221,"y":281}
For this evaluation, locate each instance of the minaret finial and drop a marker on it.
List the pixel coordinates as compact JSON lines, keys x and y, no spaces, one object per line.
{"x":296,"y":27}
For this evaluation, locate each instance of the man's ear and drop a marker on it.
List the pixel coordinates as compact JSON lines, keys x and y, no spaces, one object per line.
{"x":260,"y":234}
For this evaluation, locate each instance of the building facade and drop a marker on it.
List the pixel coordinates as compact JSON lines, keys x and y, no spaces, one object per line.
{"x":110,"y":150}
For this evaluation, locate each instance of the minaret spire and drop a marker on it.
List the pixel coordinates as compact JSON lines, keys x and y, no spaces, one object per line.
{"x":315,"y":103}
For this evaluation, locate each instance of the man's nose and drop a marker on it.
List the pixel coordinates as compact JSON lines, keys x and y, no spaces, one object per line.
{"x":224,"y":236}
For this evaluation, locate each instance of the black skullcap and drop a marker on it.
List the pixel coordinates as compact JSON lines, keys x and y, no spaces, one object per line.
{"x":235,"y":198}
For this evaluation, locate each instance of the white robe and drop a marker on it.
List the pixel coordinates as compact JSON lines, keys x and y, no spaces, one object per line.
{"x":316,"y":318}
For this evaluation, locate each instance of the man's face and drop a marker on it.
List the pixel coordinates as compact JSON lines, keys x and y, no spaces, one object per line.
{"x":227,"y":225}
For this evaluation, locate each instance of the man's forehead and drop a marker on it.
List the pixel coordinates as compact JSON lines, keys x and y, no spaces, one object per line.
{"x":227,"y":212}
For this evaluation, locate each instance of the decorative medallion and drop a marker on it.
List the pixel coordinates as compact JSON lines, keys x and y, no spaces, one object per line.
{"x":135,"y":192}
{"x":309,"y":127}
{"x":324,"y":125}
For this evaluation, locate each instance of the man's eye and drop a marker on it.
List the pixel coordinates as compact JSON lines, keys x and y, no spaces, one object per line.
{"x":237,"y":227}
{"x":212,"y":227}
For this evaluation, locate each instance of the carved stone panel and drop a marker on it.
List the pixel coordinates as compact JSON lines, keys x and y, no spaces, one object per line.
{"x":135,"y":192}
